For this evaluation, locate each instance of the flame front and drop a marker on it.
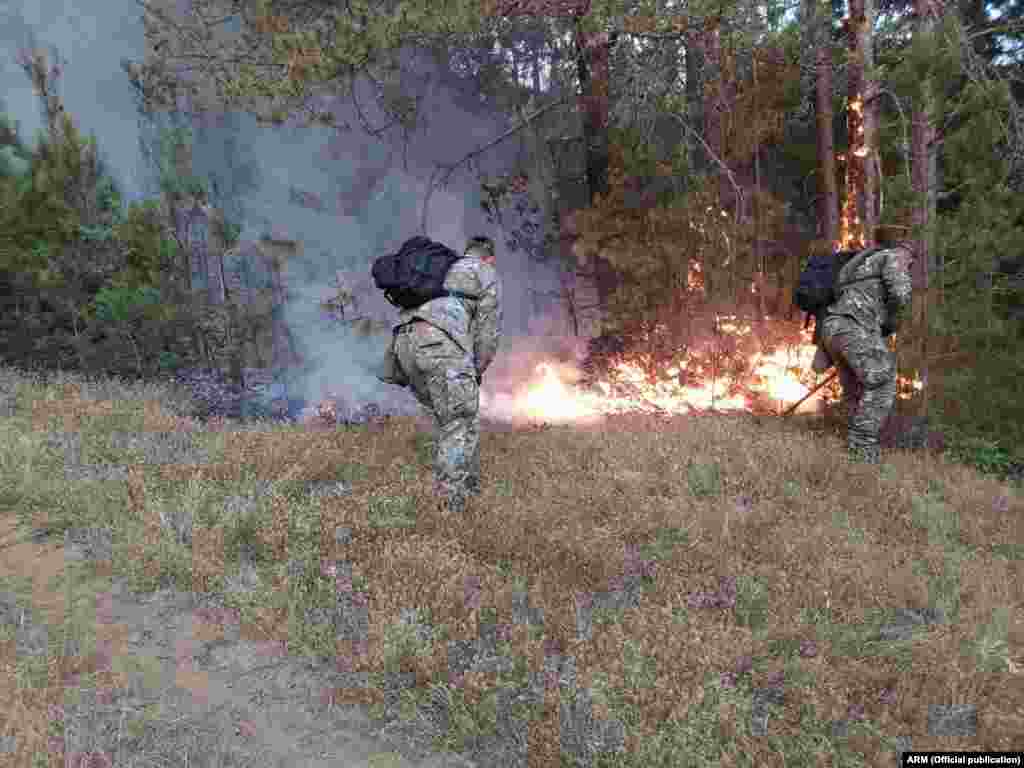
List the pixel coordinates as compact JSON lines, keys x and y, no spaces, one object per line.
{"x":550,"y":399}
{"x":776,"y":381}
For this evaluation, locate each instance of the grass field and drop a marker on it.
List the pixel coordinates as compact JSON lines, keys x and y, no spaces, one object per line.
{"x":686,"y":579}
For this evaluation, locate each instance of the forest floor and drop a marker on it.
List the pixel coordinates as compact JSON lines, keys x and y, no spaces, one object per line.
{"x":690,"y":591}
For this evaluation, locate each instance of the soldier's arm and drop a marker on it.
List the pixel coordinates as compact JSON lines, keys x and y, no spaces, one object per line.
{"x":488,"y":318}
{"x":897,"y":281}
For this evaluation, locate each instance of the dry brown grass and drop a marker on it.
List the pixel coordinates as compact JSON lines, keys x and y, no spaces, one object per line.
{"x":559,"y":506}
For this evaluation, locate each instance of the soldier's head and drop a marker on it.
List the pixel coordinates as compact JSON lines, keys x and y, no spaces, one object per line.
{"x":482,"y":247}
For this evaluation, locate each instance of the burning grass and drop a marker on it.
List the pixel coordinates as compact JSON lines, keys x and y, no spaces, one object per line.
{"x":686,"y":564}
{"x":727,"y":365}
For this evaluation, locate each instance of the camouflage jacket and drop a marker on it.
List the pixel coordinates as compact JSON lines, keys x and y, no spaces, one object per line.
{"x":877,"y":304}
{"x":474,"y":324}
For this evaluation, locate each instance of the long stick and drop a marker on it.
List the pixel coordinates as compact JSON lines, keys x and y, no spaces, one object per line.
{"x":802,"y":399}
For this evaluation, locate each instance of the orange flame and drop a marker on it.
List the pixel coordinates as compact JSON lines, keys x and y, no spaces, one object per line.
{"x":695,"y":278}
{"x":781,"y":378}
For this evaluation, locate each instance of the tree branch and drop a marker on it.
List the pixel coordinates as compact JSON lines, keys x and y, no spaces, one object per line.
{"x":903,"y":120}
{"x":444,"y":172}
{"x":721,"y":163}
{"x":1000,"y":29}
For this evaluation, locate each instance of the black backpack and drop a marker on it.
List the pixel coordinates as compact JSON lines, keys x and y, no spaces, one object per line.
{"x":816,"y":288}
{"x":415,"y":274}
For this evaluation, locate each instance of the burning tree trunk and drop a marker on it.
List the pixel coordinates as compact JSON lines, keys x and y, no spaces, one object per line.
{"x":860,"y":214}
{"x":828,"y":189}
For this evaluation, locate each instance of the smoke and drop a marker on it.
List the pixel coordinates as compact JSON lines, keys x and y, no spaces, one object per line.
{"x":342,"y":358}
{"x":347,"y":198}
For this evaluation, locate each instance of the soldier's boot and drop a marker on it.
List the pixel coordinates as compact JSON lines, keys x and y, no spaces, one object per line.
{"x":451,"y":497}
{"x":865,"y":454}
{"x":454,"y":503}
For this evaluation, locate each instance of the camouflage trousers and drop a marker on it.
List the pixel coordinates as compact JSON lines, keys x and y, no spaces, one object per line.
{"x":442,"y":376}
{"x":867,"y":372}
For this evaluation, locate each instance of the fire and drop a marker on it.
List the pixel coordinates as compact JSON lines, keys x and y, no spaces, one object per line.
{"x":550,"y":399}
{"x":851,"y":232}
{"x":777,"y":379}
{"x":695,"y":278}
{"x":906,"y":387}
{"x":777,"y":376}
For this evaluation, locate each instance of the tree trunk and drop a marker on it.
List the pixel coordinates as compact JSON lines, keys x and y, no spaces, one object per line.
{"x":872,"y":160}
{"x":924,"y":150}
{"x":828,"y":189}
{"x":216,"y":244}
{"x":592,"y":57}
{"x":694,"y":100}
{"x":860,"y":214}
{"x":592,"y":52}
{"x":758,"y":253}
{"x":714,"y":93}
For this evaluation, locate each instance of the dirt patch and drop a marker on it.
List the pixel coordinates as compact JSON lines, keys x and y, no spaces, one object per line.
{"x":168,"y":673}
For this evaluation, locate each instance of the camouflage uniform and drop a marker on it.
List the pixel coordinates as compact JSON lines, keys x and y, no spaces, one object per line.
{"x":853,"y":333}
{"x":441,"y":350}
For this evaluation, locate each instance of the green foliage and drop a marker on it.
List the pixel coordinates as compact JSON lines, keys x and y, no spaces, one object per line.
{"x":232,"y":234}
{"x":704,"y":479}
{"x":990,"y":648}
{"x":977,"y":228}
{"x":169,"y":361}
{"x":121,"y":305}
{"x":175,"y":181}
{"x":65,"y":196}
{"x":974,"y":315}
{"x":986,"y":455}
{"x":368,"y":37}
{"x":14,"y":162}
{"x":95,"y":280}
{"x":147,"y":251}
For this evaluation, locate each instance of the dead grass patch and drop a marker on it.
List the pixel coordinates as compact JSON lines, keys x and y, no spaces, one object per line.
{"x":818,"y":552}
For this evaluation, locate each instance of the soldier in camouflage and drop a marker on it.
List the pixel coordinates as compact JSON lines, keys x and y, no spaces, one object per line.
{"x":441,"y":350}
{"x":854,"y":334}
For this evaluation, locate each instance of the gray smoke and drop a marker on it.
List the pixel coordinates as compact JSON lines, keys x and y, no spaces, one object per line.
{"x":348,"y":198}
{"x":343,"y":195}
